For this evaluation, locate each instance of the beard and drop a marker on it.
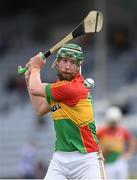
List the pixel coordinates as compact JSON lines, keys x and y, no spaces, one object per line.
{"x":65,"y":76}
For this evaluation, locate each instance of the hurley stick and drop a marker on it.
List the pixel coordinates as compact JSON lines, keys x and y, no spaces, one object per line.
{"x":92,"y":23}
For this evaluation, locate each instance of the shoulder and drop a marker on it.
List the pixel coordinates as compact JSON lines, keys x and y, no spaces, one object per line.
{"x":126,"y":132}
{"x":69,"y":91}
{"x":101,"y":130}
{"x":76,"y":86}
{"x":123,"y":129}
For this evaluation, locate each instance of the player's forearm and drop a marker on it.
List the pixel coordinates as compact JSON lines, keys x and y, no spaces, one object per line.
{"x":131,"y":149}
{"x":132,"y":145}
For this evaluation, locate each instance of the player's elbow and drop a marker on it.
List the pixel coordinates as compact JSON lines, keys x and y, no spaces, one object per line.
{"x":40,"y":111}
{"x":34,"y":91}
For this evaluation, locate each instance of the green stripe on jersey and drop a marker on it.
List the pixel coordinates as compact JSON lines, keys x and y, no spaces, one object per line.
{"x":92,"y":125}
{"x":93,"y":130}
{"x":91,"y":100}
{"x":111,"y":157}
{"x":68,"y":137}
{"x":49,"y":93}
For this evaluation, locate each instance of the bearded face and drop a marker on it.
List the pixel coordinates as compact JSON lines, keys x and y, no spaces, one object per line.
{"x":67,"y":69}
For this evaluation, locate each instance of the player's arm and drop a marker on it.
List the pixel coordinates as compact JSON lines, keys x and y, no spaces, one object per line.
{"x":131,"y":145}
{"x":40,"y":104}
{"x":36,"y":88}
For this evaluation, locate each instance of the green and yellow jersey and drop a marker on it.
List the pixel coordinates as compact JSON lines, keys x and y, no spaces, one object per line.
{"x":73,"y":114}
{"x":112,"y":142}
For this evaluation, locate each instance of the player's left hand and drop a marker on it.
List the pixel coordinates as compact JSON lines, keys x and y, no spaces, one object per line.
{"x":27,"y":76}
{"x":36,"y":62}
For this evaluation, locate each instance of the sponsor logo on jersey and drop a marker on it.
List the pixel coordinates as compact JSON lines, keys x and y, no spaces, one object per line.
{"x":55,"y":107}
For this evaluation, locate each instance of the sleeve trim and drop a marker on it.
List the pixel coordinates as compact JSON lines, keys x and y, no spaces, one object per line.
{"x":49,"y":93}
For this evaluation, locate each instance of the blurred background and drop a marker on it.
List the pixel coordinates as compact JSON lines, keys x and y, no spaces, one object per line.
{"x":27,"y":27}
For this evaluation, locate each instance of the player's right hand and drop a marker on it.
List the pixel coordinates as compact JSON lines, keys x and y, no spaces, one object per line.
{"x":36,"y":61}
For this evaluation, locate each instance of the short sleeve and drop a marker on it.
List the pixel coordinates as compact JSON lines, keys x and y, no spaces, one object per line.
{"x":127,"y":134}
{"x":65,"y":91}
{"x":49,"y":93}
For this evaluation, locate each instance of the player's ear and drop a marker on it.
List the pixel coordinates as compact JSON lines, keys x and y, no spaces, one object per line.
{"x":57,"y":63}
{"x":78,"y":69}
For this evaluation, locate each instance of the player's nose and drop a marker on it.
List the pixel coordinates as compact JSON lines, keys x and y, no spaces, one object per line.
{"x":67,"y":65}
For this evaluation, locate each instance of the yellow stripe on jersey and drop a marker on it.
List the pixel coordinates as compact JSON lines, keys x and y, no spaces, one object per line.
{"x":79,"y":115}
{"x":60,"y":83}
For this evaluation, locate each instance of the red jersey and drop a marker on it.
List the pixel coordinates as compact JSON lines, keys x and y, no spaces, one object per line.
{"x":73,"y":114}
{"x":113,"y":142}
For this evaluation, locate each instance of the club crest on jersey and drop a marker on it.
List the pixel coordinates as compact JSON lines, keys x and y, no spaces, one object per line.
{"x":55,"y":107}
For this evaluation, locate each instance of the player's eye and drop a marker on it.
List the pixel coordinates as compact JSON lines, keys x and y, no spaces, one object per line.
{"x":73,"y":61}
{"x":64,"y":59}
